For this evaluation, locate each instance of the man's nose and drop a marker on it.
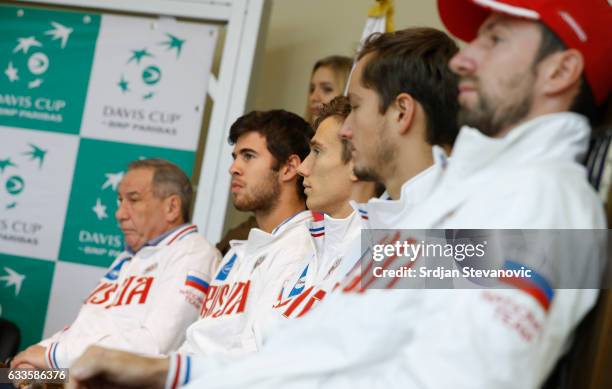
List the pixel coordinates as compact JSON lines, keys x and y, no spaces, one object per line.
{"x":234,"y":168}
{"x":463,"y":63}
{"x":304,"y":169}
{"x":346,"y":131}
{"x":121,"y":213}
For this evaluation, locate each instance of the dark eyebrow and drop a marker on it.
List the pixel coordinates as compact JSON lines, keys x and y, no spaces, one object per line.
{"x":244,"y":151}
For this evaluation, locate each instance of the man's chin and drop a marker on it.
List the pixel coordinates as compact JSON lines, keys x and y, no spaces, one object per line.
{"x":242,"y":206}
{"x":135,"y":245}
{"x":365,"y":174}
{"x":313,"y":206}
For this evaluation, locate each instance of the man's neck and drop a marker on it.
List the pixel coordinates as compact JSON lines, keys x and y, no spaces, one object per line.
{"x":408,"y":165}
{"x":169,"y":229}
{"x":362,"y":191}
{"x":269,"y":220}
{"x":540,"y":108}
{"x":342,"y":211}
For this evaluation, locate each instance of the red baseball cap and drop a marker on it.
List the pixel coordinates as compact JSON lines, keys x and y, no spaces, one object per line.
{"x":585,"y":25}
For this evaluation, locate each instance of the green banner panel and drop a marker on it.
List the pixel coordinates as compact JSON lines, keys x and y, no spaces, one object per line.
{"x":45,"y":61}
{"x":25,"y":285}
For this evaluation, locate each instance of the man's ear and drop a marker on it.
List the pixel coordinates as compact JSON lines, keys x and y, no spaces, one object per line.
{"x":560,"y":72}
{"x":404,"y":107}
{"x":173,"y":208}
{"x":289,"y":169}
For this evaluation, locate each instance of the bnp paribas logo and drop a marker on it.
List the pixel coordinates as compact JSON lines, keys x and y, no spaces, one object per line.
{"x":142,"y":73}
{"x":14,"y":170}
{"x":30,"y":60}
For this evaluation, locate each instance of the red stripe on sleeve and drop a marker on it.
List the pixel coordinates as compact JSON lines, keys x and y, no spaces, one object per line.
{"x":178,"y":371}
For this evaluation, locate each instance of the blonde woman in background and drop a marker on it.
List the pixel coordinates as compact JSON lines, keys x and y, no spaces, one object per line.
{"x":328,"y":80}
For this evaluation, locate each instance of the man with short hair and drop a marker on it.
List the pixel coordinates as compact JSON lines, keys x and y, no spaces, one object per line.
{"x":329,"y":180}
{"x":154,"y":290}
{"x":401,"y":109}
{"x":330,"y":186}
{"x":268,"y":148}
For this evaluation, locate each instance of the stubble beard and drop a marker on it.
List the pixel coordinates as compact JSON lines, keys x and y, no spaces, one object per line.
{"x":493,"y":115}
{"x":261,"y":198}
{"x":384,"y":157}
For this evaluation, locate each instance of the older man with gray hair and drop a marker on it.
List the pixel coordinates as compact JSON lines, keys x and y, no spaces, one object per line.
{"x":154,"y":290}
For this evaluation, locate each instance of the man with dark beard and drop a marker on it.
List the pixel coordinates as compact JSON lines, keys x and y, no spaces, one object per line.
{"x":268,"y":148}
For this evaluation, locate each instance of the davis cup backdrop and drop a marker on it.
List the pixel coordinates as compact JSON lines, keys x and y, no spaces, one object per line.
{"x":82,"y":95}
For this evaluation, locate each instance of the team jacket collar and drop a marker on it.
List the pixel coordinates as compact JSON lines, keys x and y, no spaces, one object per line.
{"x":338,"y":232}
{"x":557,"y":139}
{"x":327,"y":232}
{"x":259,"y":238}
{"x":167,"y":238}
{"x":383,"y":214}
{"x":178,"y":234}
{"x":560,"y":136}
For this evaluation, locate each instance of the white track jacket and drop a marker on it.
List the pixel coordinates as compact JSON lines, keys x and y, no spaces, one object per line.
{"x":145,"y":302}
{"x":250,"y":278}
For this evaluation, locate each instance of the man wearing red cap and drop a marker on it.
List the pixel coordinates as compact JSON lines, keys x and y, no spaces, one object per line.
{"x":528,"y":64}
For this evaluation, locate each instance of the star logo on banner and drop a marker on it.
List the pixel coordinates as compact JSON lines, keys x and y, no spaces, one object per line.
{"x":15,"y":181}
{"x":33,"y":50}
{"x":24,"y":44}
{"x":12,"y":278}
{"x":124,"y":85}
{"x":34,"y":84}
{"x":100,"y":210}
{"x":112,"y":180}
{"x":138,"y":55}
{"x":11,"y":73}
{"x":4,"y":163}
{"x":173,"y":43}
{"x":141,"y":77}
{"x":36,"y":153}
{"x":60,"y":32}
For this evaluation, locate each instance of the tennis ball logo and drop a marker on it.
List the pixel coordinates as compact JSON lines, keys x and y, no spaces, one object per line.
{"x":15,"y":185}
{"x":38,"y":63}
{"x":151,"y":75}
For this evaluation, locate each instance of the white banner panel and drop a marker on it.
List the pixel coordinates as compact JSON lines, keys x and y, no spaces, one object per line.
{"x":149,"y":80}
{"x":36,"y":169}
